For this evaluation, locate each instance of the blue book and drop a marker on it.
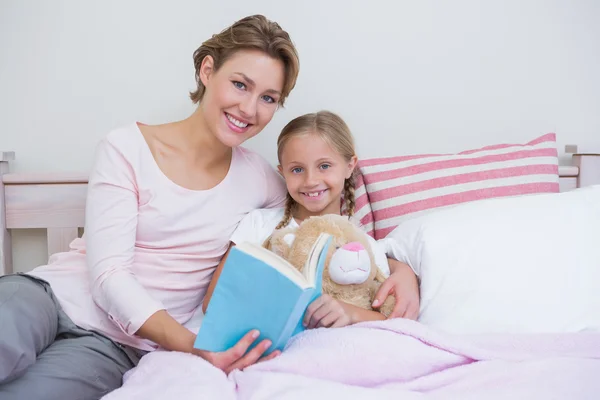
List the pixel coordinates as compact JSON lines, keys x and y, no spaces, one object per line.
{"x":258,"y":289}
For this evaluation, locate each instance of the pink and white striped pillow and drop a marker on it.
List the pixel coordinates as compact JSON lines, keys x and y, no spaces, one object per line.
{"x":390,"y":190}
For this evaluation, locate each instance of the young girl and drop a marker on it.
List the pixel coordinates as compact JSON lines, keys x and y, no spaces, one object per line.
{"x":162,"y":203}
{"x":317,"y":159}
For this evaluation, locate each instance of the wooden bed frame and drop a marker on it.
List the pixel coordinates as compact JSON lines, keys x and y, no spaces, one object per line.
{"x":56,"y":201}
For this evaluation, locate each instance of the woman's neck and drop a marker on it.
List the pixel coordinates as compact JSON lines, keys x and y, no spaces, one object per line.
{"x":201,"y":142}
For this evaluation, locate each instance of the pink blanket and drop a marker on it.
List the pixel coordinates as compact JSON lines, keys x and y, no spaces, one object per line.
{"x":396,"y":359}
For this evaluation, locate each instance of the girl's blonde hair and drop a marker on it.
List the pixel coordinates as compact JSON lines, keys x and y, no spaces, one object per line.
{"x":331,"y":128}
{"x":255,"y":32}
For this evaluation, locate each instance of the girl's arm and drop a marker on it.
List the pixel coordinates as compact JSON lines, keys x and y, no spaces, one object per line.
{"x":358,"y":314}
{"x":403,"y":284}
{"x":215,"y":278}
{"x":328,"y":312}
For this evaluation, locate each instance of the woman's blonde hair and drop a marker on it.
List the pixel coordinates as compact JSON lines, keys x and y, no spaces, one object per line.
{"x":331,"y":128}
{"x":255,"y":32}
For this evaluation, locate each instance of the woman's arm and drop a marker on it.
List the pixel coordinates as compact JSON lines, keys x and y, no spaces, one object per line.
{"x":111,"y":229}
{"x":165,"y":331}
{"x":110,"y":232}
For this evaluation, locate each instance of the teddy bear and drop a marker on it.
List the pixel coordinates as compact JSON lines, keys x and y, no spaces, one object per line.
{"x":350,"y":273}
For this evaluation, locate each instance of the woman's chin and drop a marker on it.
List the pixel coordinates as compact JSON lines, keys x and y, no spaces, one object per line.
{"x":230,"y":139}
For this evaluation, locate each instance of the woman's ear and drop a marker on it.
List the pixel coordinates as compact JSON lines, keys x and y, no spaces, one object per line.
{"x":206,"y":69}
{"x":351,"y":166}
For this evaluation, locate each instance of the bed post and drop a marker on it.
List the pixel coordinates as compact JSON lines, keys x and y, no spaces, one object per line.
{"x":588,"y":162}
{"x":5,"y":242}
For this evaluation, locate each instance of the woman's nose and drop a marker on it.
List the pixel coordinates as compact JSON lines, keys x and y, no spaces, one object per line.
{"x":248,"y":107}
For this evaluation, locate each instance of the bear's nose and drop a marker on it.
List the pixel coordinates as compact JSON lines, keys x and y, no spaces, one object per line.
{"x":353,"y":246}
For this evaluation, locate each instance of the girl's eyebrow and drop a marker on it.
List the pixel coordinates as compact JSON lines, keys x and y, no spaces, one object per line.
{"x":251,"y":83}
{"x":300,"y":163}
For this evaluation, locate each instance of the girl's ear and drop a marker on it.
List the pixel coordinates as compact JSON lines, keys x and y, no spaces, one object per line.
{"x":280,"y":168}
{"x":351,"y":166}
{"x":206,"y":69}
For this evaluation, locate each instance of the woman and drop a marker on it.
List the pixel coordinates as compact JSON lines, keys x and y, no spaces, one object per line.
{"x":162,"y":203}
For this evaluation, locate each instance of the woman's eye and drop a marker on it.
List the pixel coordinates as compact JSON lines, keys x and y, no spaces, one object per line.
{"x":296,"y":170}
{"x":268,"y":99}
{"x":239,"y":85}
{"x":325,"y":166}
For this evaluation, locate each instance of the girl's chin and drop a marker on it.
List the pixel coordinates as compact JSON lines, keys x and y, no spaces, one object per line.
{"x":315,"y":208}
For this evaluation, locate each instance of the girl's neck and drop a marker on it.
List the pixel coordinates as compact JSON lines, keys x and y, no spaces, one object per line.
{"x":300,"y":213}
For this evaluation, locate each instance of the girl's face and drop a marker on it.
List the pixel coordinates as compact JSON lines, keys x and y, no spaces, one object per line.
{"x":241,"y":97}
{"x":314,"y":174}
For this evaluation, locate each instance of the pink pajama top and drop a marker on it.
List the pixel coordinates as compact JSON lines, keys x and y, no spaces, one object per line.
{"x":150,"y":244}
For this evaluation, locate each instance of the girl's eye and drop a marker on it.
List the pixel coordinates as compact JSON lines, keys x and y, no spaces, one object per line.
{"x":325,"y":166}
{"x":239,"y":85}
{"x":268,"y":99}
{"x":296,"y":170}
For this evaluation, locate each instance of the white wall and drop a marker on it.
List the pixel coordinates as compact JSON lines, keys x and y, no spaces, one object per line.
{"x":408,"y":76}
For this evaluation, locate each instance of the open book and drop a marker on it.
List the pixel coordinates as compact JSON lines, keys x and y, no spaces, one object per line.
{"x":258,"y":289}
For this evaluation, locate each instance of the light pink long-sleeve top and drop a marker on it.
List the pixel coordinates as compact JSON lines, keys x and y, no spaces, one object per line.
{"x":150,"y":244}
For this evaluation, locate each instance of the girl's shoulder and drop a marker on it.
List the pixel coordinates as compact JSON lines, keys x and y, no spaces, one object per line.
{"x":257,"y":225}
{"x":266,"y":217}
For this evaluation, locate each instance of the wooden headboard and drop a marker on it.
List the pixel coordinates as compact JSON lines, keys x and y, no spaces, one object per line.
{"x":56,"y":201}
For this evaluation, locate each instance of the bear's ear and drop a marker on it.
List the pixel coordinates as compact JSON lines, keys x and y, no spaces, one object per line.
{"x":282,"y":243}
{"x":289,"y":239}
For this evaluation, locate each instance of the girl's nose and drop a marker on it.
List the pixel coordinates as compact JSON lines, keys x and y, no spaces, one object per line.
{"x":311,"y":179}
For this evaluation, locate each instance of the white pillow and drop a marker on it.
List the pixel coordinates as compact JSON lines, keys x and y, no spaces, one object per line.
{"x":525,"y":264}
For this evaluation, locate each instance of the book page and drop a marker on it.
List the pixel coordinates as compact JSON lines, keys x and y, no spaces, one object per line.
{"x":276,"y":262}
{"x":310,"y":269}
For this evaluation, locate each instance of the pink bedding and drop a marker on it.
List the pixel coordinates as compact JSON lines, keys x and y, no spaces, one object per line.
{"x":396,"y":359}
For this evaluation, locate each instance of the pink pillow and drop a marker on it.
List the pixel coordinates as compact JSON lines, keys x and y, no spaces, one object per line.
{"x":390,"y":190}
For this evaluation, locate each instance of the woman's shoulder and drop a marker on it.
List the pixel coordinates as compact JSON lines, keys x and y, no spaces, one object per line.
{"x":124,"y":136}
{"x":253,"y":159}
{"x":125,"y":143}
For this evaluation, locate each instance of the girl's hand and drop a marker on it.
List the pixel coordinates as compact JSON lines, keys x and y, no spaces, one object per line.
{"x":236,"y":357}
{"x":326,"y":312}
{"x":404,"y":285}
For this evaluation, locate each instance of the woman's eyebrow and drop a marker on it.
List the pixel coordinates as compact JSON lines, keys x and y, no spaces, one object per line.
{"x":251,"y":83}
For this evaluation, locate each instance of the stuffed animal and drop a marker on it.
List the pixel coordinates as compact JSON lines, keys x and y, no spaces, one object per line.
{"x":350,"y":272}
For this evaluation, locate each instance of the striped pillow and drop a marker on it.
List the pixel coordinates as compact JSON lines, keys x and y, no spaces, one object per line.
{"x":392,"y":189}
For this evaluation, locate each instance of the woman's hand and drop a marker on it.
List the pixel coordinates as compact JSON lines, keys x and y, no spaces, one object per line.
{"x":162,"y":329}
{"x":238,"y":357}
{"x":326,"y":312}
{"x":404,"y":285}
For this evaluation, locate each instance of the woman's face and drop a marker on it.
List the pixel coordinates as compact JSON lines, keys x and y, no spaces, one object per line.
{"x":242,"y":96}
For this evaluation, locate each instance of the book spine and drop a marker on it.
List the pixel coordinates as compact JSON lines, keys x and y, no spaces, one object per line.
{"x":294,"y":322}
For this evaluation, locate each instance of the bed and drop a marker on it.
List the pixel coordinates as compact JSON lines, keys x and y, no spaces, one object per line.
{"x":56,"y":201}
{"x":539,"y":357}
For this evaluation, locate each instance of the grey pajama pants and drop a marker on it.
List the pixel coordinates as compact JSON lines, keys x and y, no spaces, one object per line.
{"x":44,"y":355}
